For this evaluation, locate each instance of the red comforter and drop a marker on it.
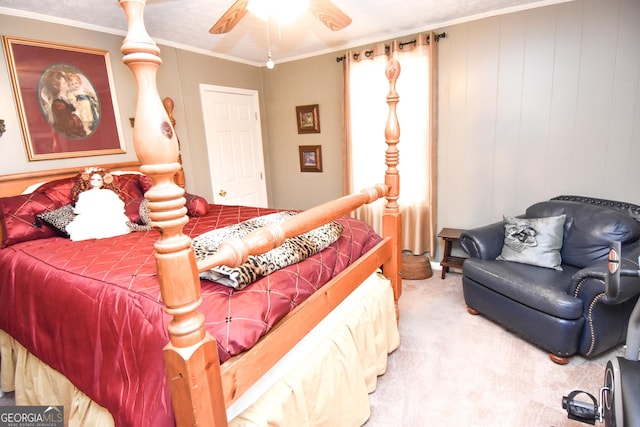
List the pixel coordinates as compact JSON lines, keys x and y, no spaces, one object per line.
{"x":92,"y":309}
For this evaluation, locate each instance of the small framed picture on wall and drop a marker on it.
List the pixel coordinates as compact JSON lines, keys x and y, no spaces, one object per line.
{"x":310,"y":158}
{"x":308,"y":118}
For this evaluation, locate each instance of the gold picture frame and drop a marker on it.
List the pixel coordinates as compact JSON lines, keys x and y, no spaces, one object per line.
{"x":310,"y":158}
{"x":65,"y":99}
{"x":308,"y":118}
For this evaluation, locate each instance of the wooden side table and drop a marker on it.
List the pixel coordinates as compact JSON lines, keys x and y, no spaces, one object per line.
{"x":450,"y":235}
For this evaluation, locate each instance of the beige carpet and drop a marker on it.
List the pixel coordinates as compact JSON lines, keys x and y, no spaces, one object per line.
{"x":455,"y":369}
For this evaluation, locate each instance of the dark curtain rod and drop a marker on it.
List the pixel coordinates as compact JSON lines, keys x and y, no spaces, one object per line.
{"x":368,"y":53}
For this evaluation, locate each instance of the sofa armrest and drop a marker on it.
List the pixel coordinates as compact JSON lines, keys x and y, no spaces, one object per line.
{"x":484,"y":242}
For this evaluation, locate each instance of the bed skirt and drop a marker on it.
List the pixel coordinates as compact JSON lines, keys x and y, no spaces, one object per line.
{"x":341,"y":357}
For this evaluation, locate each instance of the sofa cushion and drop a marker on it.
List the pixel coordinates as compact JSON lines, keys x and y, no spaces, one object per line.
{"x":588,"y":229}
{"x":542,"y":289}
{"x":535,"y":241}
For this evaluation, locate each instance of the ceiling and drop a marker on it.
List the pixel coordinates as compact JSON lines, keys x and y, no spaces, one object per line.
{"x":186,"y":23}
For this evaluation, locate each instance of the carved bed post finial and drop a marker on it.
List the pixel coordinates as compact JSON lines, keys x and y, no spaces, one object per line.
{"x":191,"y":356}
{"x":392,"y":225}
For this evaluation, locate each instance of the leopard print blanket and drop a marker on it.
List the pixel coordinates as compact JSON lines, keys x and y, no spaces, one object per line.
{"x":293,"y":249}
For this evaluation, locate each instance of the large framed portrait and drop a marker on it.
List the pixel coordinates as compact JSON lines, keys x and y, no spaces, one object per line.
{"x":65,"y":99}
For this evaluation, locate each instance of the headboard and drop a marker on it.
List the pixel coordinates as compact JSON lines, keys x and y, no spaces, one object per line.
{"x":16,"y":183}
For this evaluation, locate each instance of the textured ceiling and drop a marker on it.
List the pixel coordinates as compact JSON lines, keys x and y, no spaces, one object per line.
{"x":186,"y":23}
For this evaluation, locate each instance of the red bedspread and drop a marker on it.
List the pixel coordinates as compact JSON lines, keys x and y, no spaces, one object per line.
{"x":92,"y":309}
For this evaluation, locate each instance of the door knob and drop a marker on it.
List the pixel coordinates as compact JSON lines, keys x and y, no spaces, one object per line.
{"x":222,"y":193}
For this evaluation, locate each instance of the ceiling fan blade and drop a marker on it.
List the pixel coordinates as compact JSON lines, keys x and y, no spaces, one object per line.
{"x":329,"y":14}
{"x":230,"y":18}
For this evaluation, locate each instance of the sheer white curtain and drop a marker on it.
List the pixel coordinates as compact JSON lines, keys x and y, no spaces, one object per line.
{"x":366,"y":88}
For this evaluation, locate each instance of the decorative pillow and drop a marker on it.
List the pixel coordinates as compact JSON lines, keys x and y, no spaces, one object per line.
{"x":19,"y":221}
{"x":535,"y":241}
{"x":196,"y":205}
{"x":293,"y":249}
{"x":131,"y":206}
{"x":144,"y":212}
{"x":59,"y":218}
{"x":59,"y":191}
{"x":145,"y":221}
{"x":131,"y":188}
{"x":145,"y":182}
{"x":134,"y":186}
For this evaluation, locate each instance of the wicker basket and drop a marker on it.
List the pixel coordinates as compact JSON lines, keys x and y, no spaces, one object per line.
{"x":416,"y":267}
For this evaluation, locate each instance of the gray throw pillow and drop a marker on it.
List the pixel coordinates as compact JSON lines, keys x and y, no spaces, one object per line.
{"x":535,"y":241}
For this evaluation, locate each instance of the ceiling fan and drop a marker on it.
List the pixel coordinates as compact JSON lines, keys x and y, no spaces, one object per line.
{"x":327,"y":12}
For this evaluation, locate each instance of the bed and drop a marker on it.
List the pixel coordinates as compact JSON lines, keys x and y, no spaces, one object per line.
{"x":125,"y":332}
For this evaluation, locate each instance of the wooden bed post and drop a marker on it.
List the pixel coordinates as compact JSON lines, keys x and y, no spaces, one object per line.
{"x":191,"y":356}
{"x":168,"y":106}
{"x":391,"y":225}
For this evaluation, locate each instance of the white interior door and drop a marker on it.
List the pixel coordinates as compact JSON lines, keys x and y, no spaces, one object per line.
{"x":234,"y":145}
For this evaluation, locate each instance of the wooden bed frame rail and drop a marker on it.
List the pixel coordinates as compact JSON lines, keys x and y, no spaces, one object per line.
{"x":200,"y":388}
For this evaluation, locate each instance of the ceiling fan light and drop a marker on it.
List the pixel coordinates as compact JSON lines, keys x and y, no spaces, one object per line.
{"x":283,"y":11}
{"x":290,"y":10}
{"x":260,"y":8}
